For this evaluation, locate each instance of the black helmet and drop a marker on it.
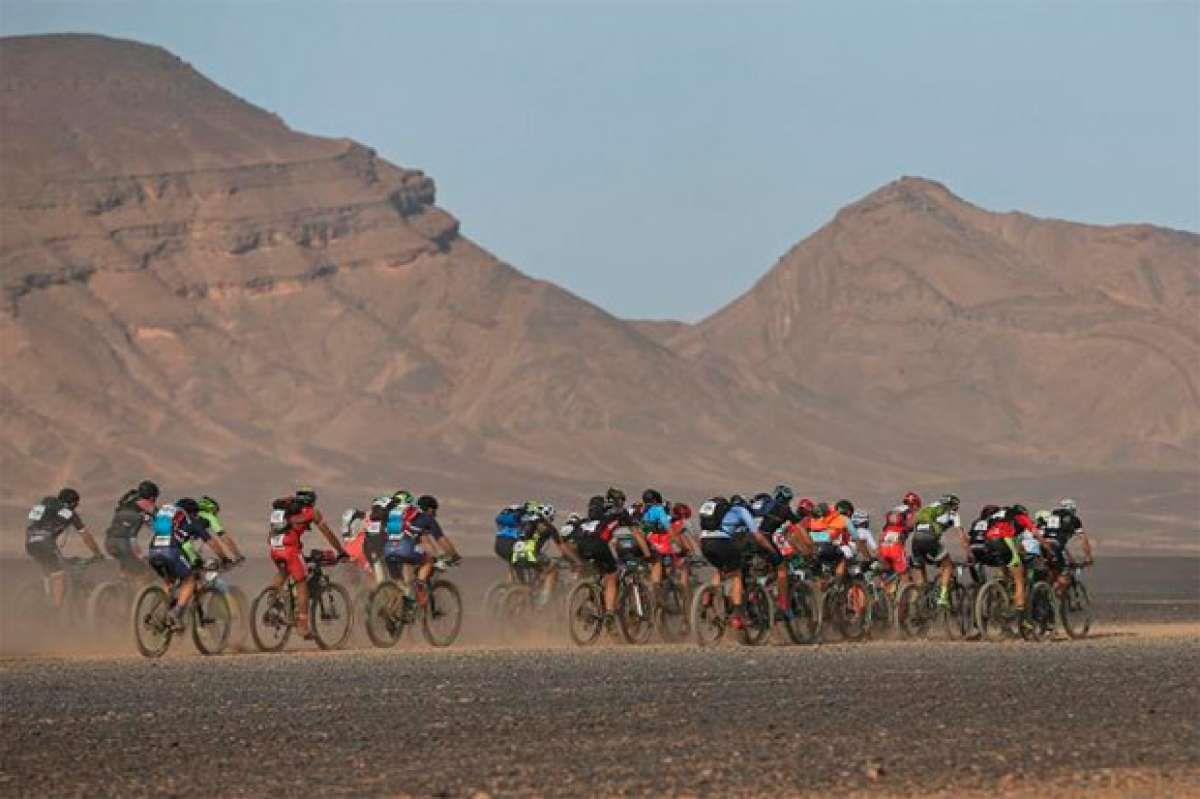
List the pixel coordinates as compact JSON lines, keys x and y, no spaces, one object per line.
{"x":844,"y":507}
{"x":784,"y":493}
{"x":615,"y":495}
{"x":1019,"y":508}
{"x":147,"y":490}
{"x":427,"y":503}
{"x":69,"y":497}
{"x":988,"y":511}
{"x":737,"y":500}
{"x":307,"y":495}
{"x":188,"y":505}
{"x":651,"y":497}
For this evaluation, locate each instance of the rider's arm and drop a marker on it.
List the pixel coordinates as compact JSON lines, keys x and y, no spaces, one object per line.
{"x":641,"y":542}
{"x":568,"y":551}
{"x":333,"y":540}
{"x":90,"y":540}
{"x":1087,"y":547}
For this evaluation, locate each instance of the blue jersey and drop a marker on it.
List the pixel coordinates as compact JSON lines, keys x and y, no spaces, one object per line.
{"x":182,"y":529}
{"x":655,"y":519}
{"x":737,"y":520}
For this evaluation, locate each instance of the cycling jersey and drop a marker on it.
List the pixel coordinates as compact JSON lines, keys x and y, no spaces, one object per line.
{"x":131,"y":514}
{"x":536,"y":533}
{"x":897,"y":524}
{"x":935,"y":519}
{"x":1061,"y":527}
{"x":182,"y":530}
{"x":49,"y":519}
{"x":298,"y":523}
{"x":833,"y":528}
{"x":1006,"y":524}
{"x":736,"y":522}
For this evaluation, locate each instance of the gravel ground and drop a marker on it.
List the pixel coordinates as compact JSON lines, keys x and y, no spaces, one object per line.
{"x":905,"y":717}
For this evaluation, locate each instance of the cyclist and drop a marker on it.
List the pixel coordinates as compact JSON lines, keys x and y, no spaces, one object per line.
{"x":425,"y":530}
{"x":508,"y":533}
{"x":724,"y":548}
{"x":980,"y":550}
{"x":209,"y":510}
{"x":671,"y":545}
{"x":1062,"y":525}
{"x":864,"y":539}
{"x":829,"y":533}
{"x":135,"y":508}
{"x":930,"y":522}
{"x":173,"y":554}
{"x":777,"y":524}
{"x":291,"y":518}
{"x":619,"y":528}
{"x":1006,"y":525}
{"x":897,"y":524}
{"x":537,"y":528}
{"x":47,"y":521}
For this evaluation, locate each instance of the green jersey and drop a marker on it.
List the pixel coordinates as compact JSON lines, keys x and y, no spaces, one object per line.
{"x":935,"y":519}
{"x":214,"y":524}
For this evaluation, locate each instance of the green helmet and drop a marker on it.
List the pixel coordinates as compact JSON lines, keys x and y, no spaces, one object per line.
{"x":1041,"y":517}
{"x":403,"y":497}
{"x":208,"y":505}
{"x":533,"y":506}
{"x":949,"y":501}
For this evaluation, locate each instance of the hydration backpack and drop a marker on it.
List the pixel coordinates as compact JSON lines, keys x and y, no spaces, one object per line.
{"x":761,"y":505}
{"x":712,"y":512}
{"x":164,"y":520}
{"x":281,"y":509}
{"x":508,"y":518}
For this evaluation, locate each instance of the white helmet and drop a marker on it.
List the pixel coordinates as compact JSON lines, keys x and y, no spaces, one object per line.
{"x":1069,"y":505}
{"x":860,"y":518}
{"x":548,"y":512}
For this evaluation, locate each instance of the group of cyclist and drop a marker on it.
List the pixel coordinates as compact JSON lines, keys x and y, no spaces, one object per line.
{"x":785,"y":532}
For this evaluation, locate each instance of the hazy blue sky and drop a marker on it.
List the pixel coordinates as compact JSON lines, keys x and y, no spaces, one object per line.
{"x":658,"y":159}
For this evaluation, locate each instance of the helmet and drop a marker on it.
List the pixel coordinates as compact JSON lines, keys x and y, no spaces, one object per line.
{"x":615,"y":495}
{"x":307,"y":495}
{"x":574,"y":519}
{"x":651,"y":497}
{"x":861,"y":518}
{"x":988,"y":510}
{"x":821,"y":509}
{"x":806,"y":505}
{"x":913,"y":500}
{"x":427,"y":503}
{"x":949,"y":500}
{"x":681,"y":510}
{"x":784,"y":493}
{"x":188,"y":505}
{"x":382,"y":501}
{"x":844,"y":507}
{"x":736,"y":500}
{"x":1019,"y":508}
{"x":1041,"y":517}
{"x":402,"y":497}
{"x":548,"y":512}
{"x":531,"y":507}
{"x":208,"y":504}
{"x":147,"y":490}
{"x":1069,"y":505}
{"x":69,"y":497}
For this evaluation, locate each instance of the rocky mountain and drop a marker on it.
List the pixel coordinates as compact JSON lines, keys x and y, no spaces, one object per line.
{"x":195,"y":292}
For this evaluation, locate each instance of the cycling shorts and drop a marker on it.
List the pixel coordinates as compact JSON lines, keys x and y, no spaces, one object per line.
{"x":47,"y":556}
{"x":290,"y":561}
{"x":413,"y":557}
{"x":504,"y":548}
{"x":830,"y":553}
{"x":592,"y":549}
{"x":894,"y":557}
{"x":928,"y":548}
{"x":1056,"y":554}
{"x":723,"y":553}
{"x":994,"y":553}
{"x":170,"y":564}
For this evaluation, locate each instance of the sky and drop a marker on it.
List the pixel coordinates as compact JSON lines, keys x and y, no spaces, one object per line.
{"x":657,"y":159}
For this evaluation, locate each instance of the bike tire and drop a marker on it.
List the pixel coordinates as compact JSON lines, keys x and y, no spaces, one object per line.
{"x":993,"y":608}
{"x":331,"y":615}
{"x":149,"y":609}
{"x":211,"y":622}
{"x":912,"y":614}
{"x":1075,"y":610}
{"x":758,"y":618}
{"x":879,"y":613}
{"x":805,"y":624}
{"x":1040,"y":613}
{"x":708,"y":616}
{"x":442,"y":619}
{"x":493,"y":599}
{"x":671,"y":615}
{"x":108,"y":605}
{"x":270,"y":625}
{"x":635,"y":612}
{"x":956,"y":619}
{"x":385,"y":614}
{"x":855,"y":614}
{"x":585,"y":613}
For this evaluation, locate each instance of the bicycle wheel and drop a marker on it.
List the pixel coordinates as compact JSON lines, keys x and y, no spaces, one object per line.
{"x":108,"y":605}
{"x":270,"y":622}
{"x":852,"y":620}
{"x":585,"y":613}
{"x":211,"y":620}
{"x":1075,"y":610}
{"x":332,"y":615}
{"x":385,"y":614}
{"x":671,"y":614}
{"x":493,"y":600}
{"x":708,"y":615}
{"x":442,"y":618}
{"x":239,"y":617}
{"x":956,"y":618}
{"x":1040,"y":616}
{"x":805,"y":624}
{"x":151,"y":629}
{"x":758,"y":617}
{"x":912,"y":612}
{"x":635,"y":611}
{"x":993,"y":611}
{"x":879,"y":613}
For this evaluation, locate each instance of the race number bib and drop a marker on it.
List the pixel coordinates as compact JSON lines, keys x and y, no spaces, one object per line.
{"x":522,"y":550}
{"x":277,"y":541}
{"x":924,"y":527}
{"x":708,"y":508}
{"x":590,"y":527}
{"x":1053,"y":523}
{"x":65,"y":513}
{"x":278,"y":519}
{"x":374,"y":527}
{"x":36,"y":513}
{"x":160,"y":541}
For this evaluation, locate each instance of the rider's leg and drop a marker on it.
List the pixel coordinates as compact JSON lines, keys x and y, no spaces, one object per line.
{"x":549,"y":581}
{"x":302,"y":608}
{"x":186,"y":588}
{"x":945,"y":569}
{"x":610,"y":592}
{"x":58,"y":588}
{"x":781,"y":582}
{"x":656,"y":572}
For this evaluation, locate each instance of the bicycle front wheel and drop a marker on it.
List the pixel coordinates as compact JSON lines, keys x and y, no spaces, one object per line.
{"x":151,"y":627}
{"x":708,"y":615}
{"x":805,"y":624}
{"x":108,"y":605}
{"x":385,"y":614}
{"x":1040,"y":621}
{"x":211,"y":621}
{"x":993,"y":610}
{"x":1075,"y":610}
{"x":332,"y":615}
{"x":585,"y":613}
{"x":957,"y":618}
{"x":239,"y":611}
{"x":270,"y":621}
{"x":442,"y":619}
{"x":635,"y":612}
{"x":671,"y":614}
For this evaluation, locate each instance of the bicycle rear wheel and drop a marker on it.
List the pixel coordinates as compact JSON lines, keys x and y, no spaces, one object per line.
{"x":385,"y":615}
{"x":957,"y":618}
{"x":442,"y":618}
{"x":993,"y":611}
{"x":1075,"y":610}
{"x":912,"y":611}
{"x":211,"y":620}
{"x":758,"y":616}
{"x":151,"y":628}
{"x":239,"y":617}
{"x":671,"y":613}
{"x":708,"y":615}
{"x":270,"y":622}
{"x":805,"y":624}
{"x":635,"y":611}
{"x":879,"y":613}
{"x":1039,"y":623}
{"x":852,"y":621}
{"x":585,"y":613}
{"x":332,"y":615}
{"x":108,"y":605}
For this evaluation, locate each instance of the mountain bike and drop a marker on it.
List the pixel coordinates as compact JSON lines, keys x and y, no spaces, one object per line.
{"x":438,"y":609}
{"x":880,"y":612}
{"x":712,"y":611}
{"x":330,"y":611}
{"x":672,"y":605}
{"x":917,"y":607}
{"x":804,"y":601}
{"x":997,"y":618}
{"x":585,"y":608}
{"x":34,"y":603}
{"x":208,"y":615}
{"x":524,"y":604}
{"x":1075,"y":604}
{"x":845,"y":604}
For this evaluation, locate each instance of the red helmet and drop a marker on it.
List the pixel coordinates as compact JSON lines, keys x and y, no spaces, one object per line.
{"x":681,"y":510}
{"x":913,"y":500}
{"x":805,"y":505}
